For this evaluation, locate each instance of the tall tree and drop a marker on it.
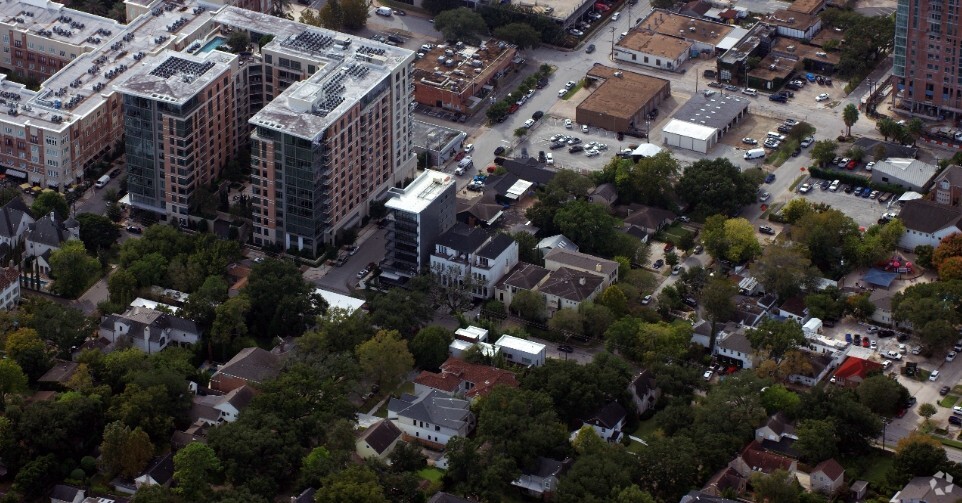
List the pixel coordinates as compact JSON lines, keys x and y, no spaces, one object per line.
{"x":776,"y":337}
{"x":918,"y":455}
{"x":26,"y":348}
{"x":460,"y":24}
{"x":849,"y":117}
{"x":385,"y":357}
{"x":48,"y":202}
{"x":522,"y":35}
{"x":282,"y":303}
{"x":430,"y":346}
{"x":355,"y":13}
{"x":777,"y":486}
{"x":817,"y":440}
{"x":97,"y":232}
{"x":713,"y":186}
{"x":824,"y":151}
{"x":784,"y":271}
{"x":732,"y":239}
{"x":194,"y":466}
{"x":529,"y":305}
{"x":717,"y":300}
{"x":12,"y":380}
{"x":124,"y":451}
{"x":122,"y":285}
{"x":72,"y":269}
{"x":882,"y":395}
{"x":332,"y":15}
{"x":229,"y":323}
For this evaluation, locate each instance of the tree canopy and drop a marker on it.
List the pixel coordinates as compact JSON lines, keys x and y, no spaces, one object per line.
{"x":712,"y":186}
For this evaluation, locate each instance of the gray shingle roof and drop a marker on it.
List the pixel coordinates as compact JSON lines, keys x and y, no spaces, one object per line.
{"x":252,"y":365}
{"x":435,"y":408}
{"x":11,"y":216}
{"x":525,"y":276}
{"x":583,"y":261}
{"x":929,"y":217}
{"x":571,"y":284}
{"x":381,"y":435}
{"x":48,"y":230}
{"x":462,"y":238}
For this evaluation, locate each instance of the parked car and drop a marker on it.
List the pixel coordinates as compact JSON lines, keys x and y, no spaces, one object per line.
{"x":133,"y":229}
{"x":763,"y":196}
{"x":822,"y":97}
{"x":567,"y":123}
{"x":690,"y":301}
{"x":590,"y":49}
{"x":956,"y":420}
{"x":749,"y":141}
{"x":764,"y":229}
{"x":528,"y":123}
{"x":804,"y":188}
{"x":584,"y":128}
{"x":669,"y":246}
{"x":869,"y":166}
{"x":564,"y":348}
{"x":951,"y":356}
{"x":934,"y":376}
{"x":647,"y":300}
{"x":549,"y":159}
{"x":362,"y":273}
{"x":575,"y":149}
{"x":576,"y":32}
{"x":769,"y":178}
{"x":944,"y":390}
{"x":675,"y":271}
{"x":537,"y":115}
{"x":707,"y":375}
{"x":658,"y":264}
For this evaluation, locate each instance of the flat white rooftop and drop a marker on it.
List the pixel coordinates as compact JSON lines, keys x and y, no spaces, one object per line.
{"x":421,"y":192}
{"x":175,"y":77}
{"x":689,"y":129}
{"x":524,"y":345}
{"x":472,"y":333}
{"x":339,"y":301}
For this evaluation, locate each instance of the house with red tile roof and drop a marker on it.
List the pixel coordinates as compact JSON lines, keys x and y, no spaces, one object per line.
{"x":827,"y":477}
{"x":460,"y":378}
{"x":754,"y":458}
{"x":854,"y":370}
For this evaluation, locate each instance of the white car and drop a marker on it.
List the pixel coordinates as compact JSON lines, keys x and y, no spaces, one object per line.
{"x":468,"y":148}
{"x":807,"y":142}
{"x":950,"y":357}
{"x":549,"y":159}
{"x":528,"y":123}
{"x":764,"y":196}
{"x":567,"y":123}
{"x":804,"y":188}
{"x":591,"y":152}
{"x":957,"y":410}
{"x":576,"y":32}
{"x":584,"y":128}
{"x":615,"y":16}
{"x":934,"y":376}
{"x":822,"y":97}
{"x":707,"y":375}
{"x":647,"y":300}
{"x":675,"y":271}
{"x":562,"y":93}
{"x":869,"y":166}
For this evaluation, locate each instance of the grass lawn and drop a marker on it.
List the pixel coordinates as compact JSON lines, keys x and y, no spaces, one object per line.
{"x":949,"y":401}
{"x":432,"y":474}
{"x":796,"y":183}
{"x":573,"y":90}
{"x":405,"y":387}
{"x":646,"y":430}
{"x":872,"y":467}
{"x":673,"y":233}
{"x":957,"y":389}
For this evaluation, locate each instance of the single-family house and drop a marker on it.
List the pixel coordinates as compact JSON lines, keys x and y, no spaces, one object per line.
{"x":767,"y":302}
{"x":149,"y":330}
{"x":647,"y":219}
{"x":60,"y":373}
{"x":567,"y":288}
{"x":196,"y":432}
{"x":481,"y":211}
{"x":820,"y":363}
{"x":66,"y":494}
{"x":250,"y":366}
{"x":733,"y":347}
{"x":947,"y":186}
{"x":379,"y":440}
{"x":221,"y":408}
{"x":159,"y":473}
{"x":777,"y":427}
{"x":542,"y":481}
{"x":47,"y":235}
{"x":644,"y":391}
{"x":557,"y":241}
{"x":9,"y":288}
{"x":935,"y":489}
{"x":794,"y":309}
{"x":724,"y":481}
{"x":701,"y":333}
{"x":431,"y":419}
{"x":605,"y":194}
{"x":15,"y":219}
{"x":524,"y":276}
{"x":463,"y":379}
{"x":854,"y":370}
{"x":582,"y":262}
{"x":521,"y":351}
{"x":827,"y":477}
{"x":472,"y":255}
{"x":754,"y":458}
{"x":927,"y":223}
{"x":608,"y":421}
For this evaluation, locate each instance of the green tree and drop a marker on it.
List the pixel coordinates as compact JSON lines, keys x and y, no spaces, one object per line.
{"x":522,"y":35}
{"x":717,"y":301}
{"x":817,"y":440}
{"x":355,"y":13}
{"x":430,"y":346}
{"x":778,"y":398}
{"x":860,"y":306}
{"x":927,"y":410}
{"x":577,"y":390}
{"x":26,"y":348}
{"x":124,"y":451}
{"x":436,"y":7}
{"x":732,"y":239}
{"x":671,"y":258}
{"x":356,"y":484}
{"x":914,"y":129}
{"x":331,"y":15}
{"x":122,"y":285}
{"x":649,"y":181}
{"x":527,"y":248}
{"x":567,"y":322}
{"x":72,"y":269}
{"x":385,"y":358}
{"x":519,"y":425}
{"x":282,"y":302}
{"x":776,"y":337}
{"x":36,"y":477}
{"x":784,"y":271}
{"x":404,"y":311}
{"x":65,"y":327}
{"x":918,"y":455}
{"x":716,"y":186}
{"x":827,"y":304}
{"x":888,"y":128}
{"x":849,"y":117}
{"x":229,"y":323}
{"x":50,"y":201}
{"x":589,"y":225}
{"x":824,"y":151}
{"x":615,"y":300}
{"x":460,"y":24}
{"x":602,"y":473}
{"x":669,"y":466}
{"x":238,"y":41}
{"x":194,"y":466}
{"x":529,"y":305}
{"x":777,"y":486}
{"x":12,"y":380}
{"x":796,"y":209}
{"x":831,"y":238}
{"x":882,"y":395}
{"x":97,"y":232}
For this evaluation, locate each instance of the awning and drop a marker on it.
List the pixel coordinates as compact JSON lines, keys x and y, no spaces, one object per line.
{"x":16,"y":174}
{"x":518,"y":189}
{"x":53,"y":185}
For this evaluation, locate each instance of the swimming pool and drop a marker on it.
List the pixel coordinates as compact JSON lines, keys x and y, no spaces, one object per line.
{"x":213,"y":44}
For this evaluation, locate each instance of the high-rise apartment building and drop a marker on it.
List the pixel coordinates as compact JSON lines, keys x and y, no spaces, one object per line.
{"x":928,"y":56}
{"x":419,"y":213}
{"x":179,"y":111}
{"x":335,"y":132}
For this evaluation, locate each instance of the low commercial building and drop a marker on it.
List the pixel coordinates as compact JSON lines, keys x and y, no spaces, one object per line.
{"x":704,"y":120}
{"x":438,"y":142}
{"x":795,"y":24}
{"x":772,"y":72}
{"x":809,"y":7}
{"x":459,"y":77}
{"x":705,"y":36}
{"x":911,"y":174}
{"x":653,"y":49}
{"x":812,"y":58}
{"x":522,"y":351}
{"x":733,"y":64}
{"x":621,"y":99}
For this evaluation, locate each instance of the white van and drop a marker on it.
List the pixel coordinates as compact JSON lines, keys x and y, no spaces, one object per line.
{"x":383,"y":11}
{"x":102,"y":182}
{"x":749,"y":91}
{"x":755,"y":153}
{"x":834,"y":186}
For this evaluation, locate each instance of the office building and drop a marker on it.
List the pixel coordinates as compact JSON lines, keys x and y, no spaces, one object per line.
{"x":419,"y":214}
{"x":927,"y":60}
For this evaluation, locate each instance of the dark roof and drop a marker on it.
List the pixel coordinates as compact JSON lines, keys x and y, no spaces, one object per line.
{"x":435,"y":407}
{"x":252,"y":365}
{"x":47,"y":231}
{"x":606,"y":191}
{"x":240,"y":398}
{"x":643,"y":383}
{"x":462,"y":238}
{"x":305,"y":497}
{"x":529,"y":169}
{"x":443,"y":497}
{"x":525,"y":276}
{"x":8,"y":275}
{"x":783,"y":446}
{"x":768,"y":301}
{"x":929,"y":217}
{"x":64,"y":492}
{"x":879,"y":277}
{"x":781,"y":424}
{"x":696,"y":7}
{"x":757,"y":459}
{"x":830,"y":468}
{"x":483,"y":208}
{"x":499,"y":184}
{"x":952,"y":173}
{"x":794,"y":305}
{"x":381,"y":435}
{"x":60,"y":372}
{"x":609,"y":415}
{"x":891,"y":149}
{"x":11,"y":215}
{"x":571,"y":284}
{"x":546,"y":467}
{"x":648,"y":217}
{"x":162,"y":470}
{"x":496,"y":246}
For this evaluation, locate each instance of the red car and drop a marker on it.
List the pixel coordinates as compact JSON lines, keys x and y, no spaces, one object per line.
{"x":513,"y":109}
{"x":851,"y":164}
{"x":669,"y":246}
{"x":865,"y":342}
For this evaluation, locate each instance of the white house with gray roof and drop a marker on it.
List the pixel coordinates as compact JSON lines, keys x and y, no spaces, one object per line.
{"x":927,"y":223}
{"x":464,"y":252}
{"x":561,"y":257}
{"x":47,"y":235}
{"x":149,"y":330}
{"x":431,"y":419}
{"x":15,"y":219}
{"x":735,"y":346}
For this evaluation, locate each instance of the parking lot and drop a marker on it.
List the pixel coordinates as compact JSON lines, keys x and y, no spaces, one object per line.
{"x":538,"y":140}
{"x":864,"y":211}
